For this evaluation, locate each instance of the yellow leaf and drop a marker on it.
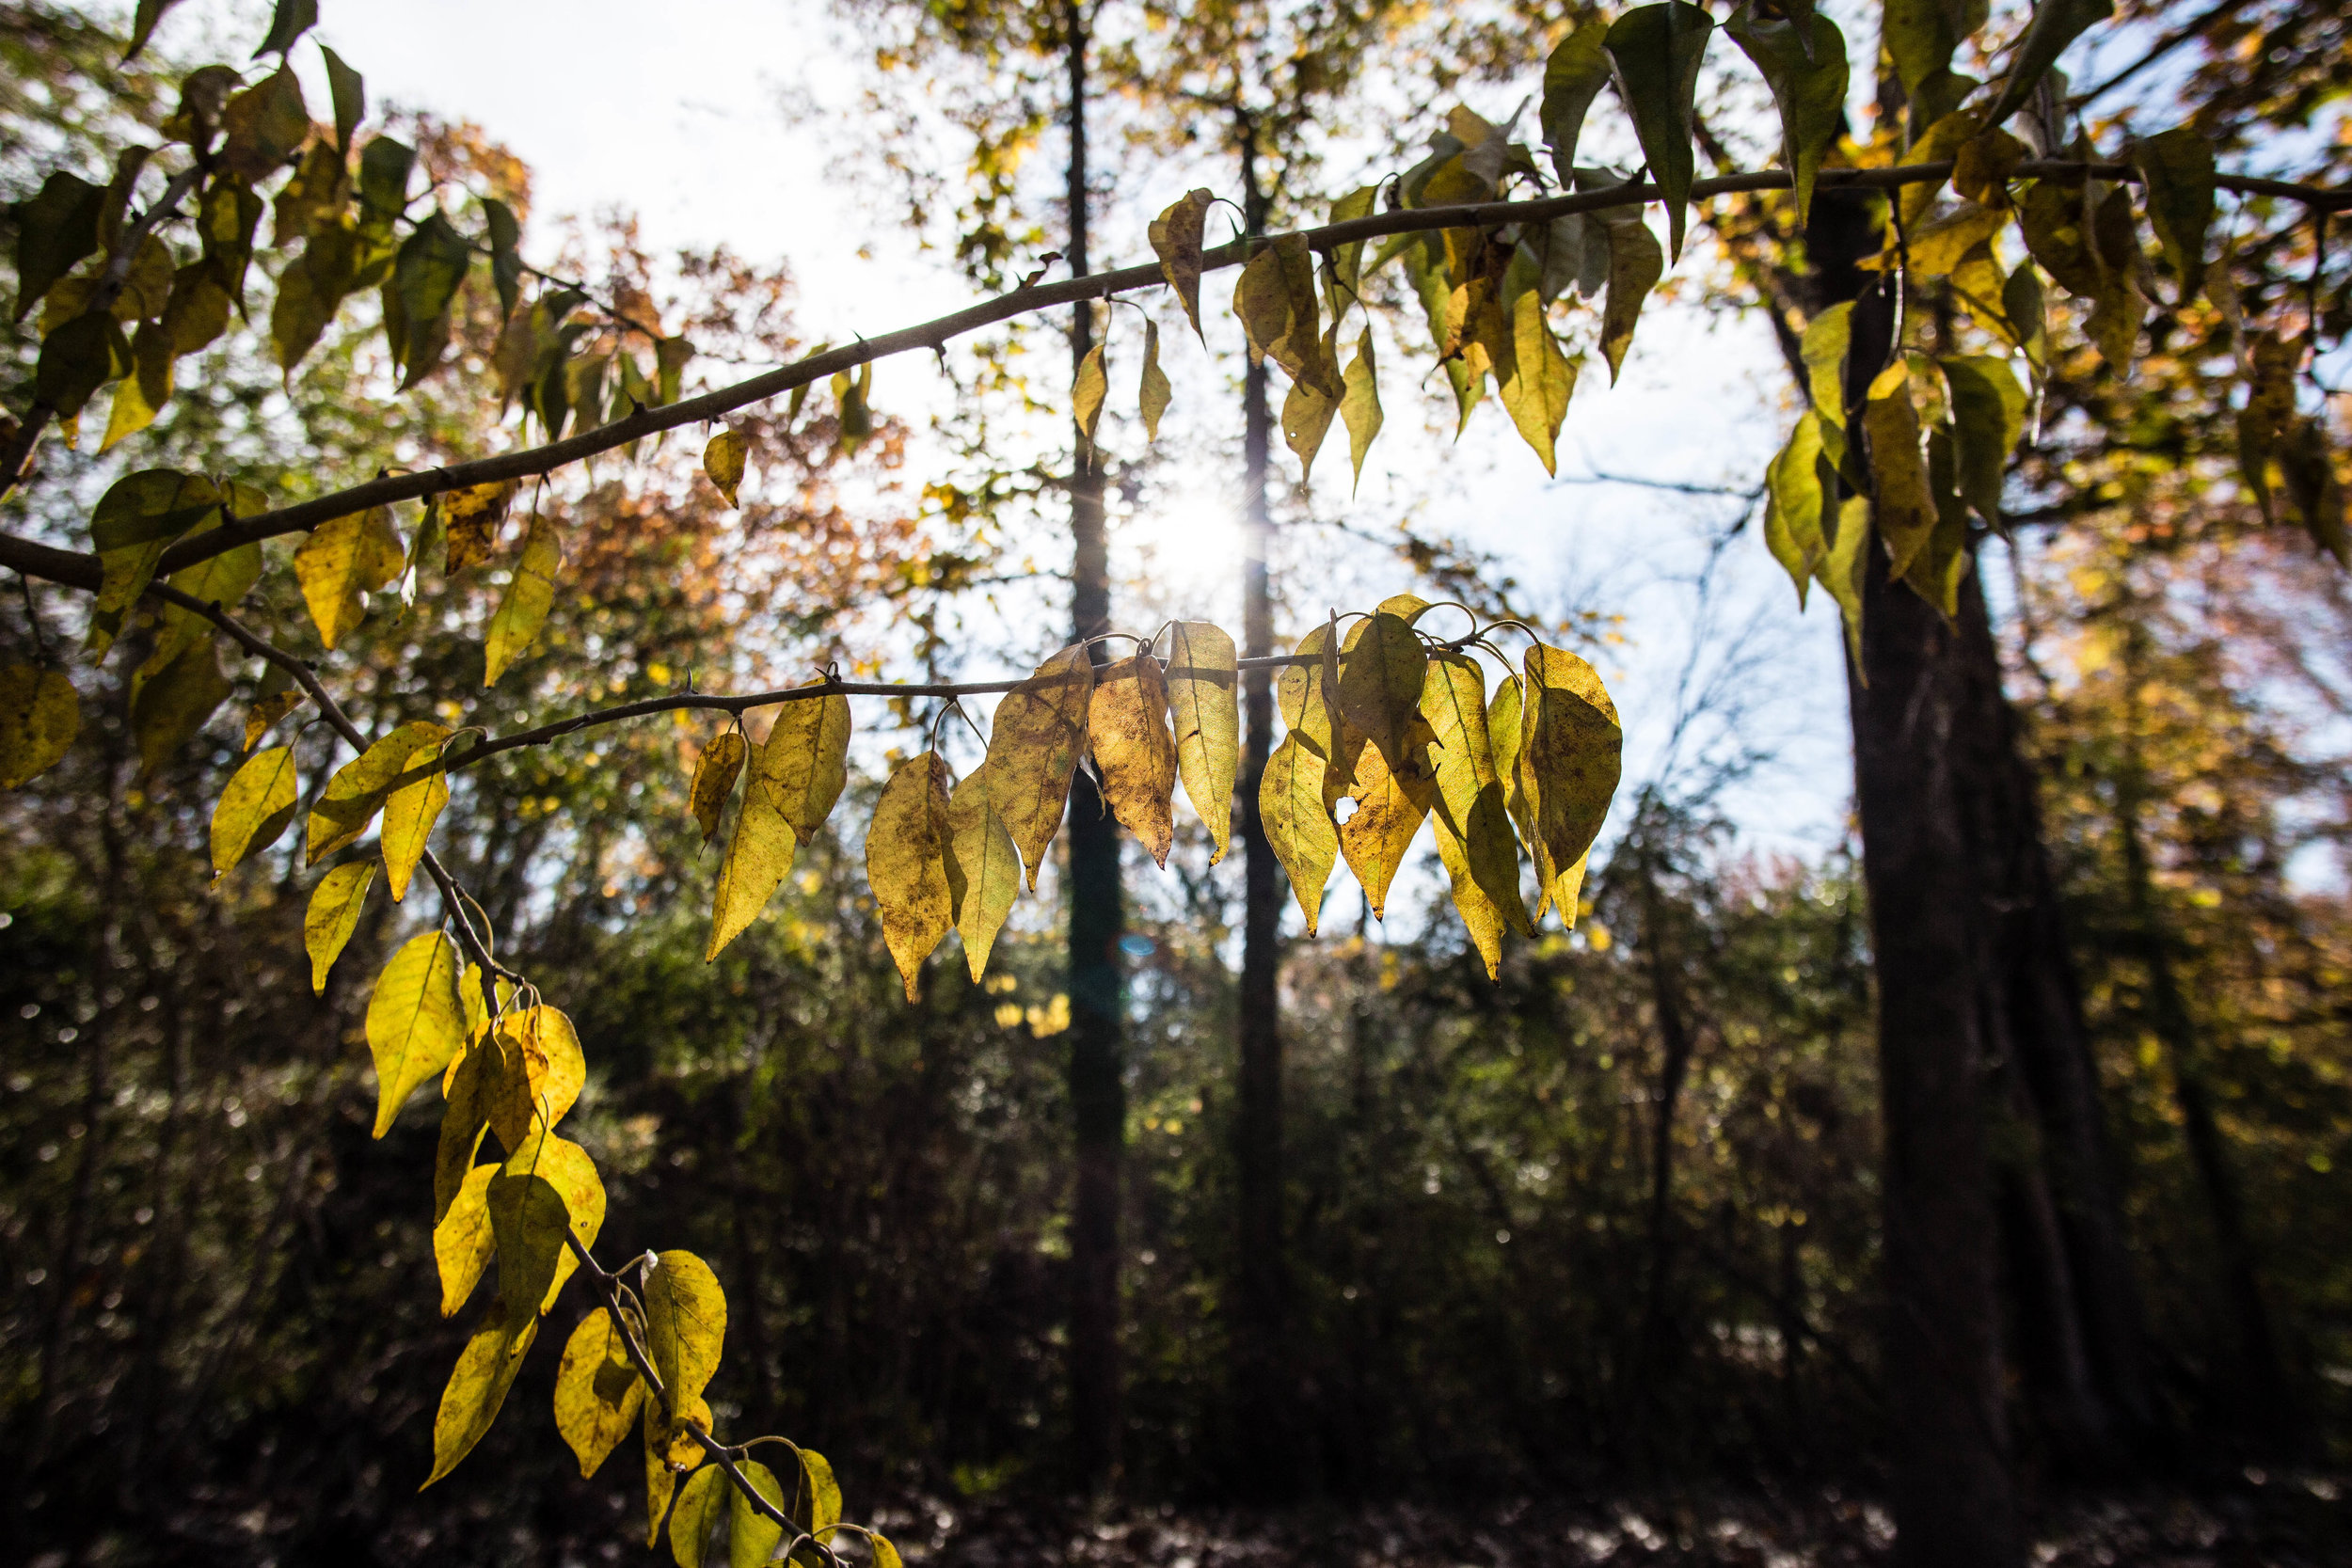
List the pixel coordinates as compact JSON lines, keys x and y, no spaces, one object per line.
{"x":1033,"y":746}
{"x":267,"y":709}
{"x":255,"y":807}
{"x":668,"y":1451}
{"x":723,"y":460}
{"x":135,"y":522}
{"x":409,"y":814}
{"x":344,"y":560}
{"x":333,"y":915}
{"x":1541,"y":380}
{"x":1359,"y":405}
{"x":169,"y":703}
{"x":714,"y":780}
{"x":804,"y":763}
{"x":885,"y":1555}
{"x":1383,"y":669}
{"x":1505,"y":727}
{"x":357,"y":790}
{"x":224,"y":580}
{"x":1473,"y":828}
{"x":461,"y":1239}
{"x":1151,"y":398}
{"x":470,"y":520}
{"x":1570,"y":756}
{"x":1297,"y":825}
{"x":534,"y":1076}
{"x":1093,"y":383}
{"x":1307,"y":414}
{"x":545,"y":1188}
{"x":1303,"y":691}
{"x":40,"y":715}
{"x":982,"y":864}
{"x":1133,"y":752}
{"x":529,"y":595}
{"x":415,"y":1025}
{"x":597,"y":1391}
{"x":1203,"y":700}
{"x":906,"y":863}
{"x":821,"y":1491}
{"x":752,"y":1536}
{"x":485,"y":1370}
{"x":1176,"y":236}
{"x":1389,"y":806}
{"x":1636,"y":261}
{"x":1904,"y":507}
{"x":466,"y":1090}
{"x":1276,"y":305}
{"x":686,"y":1326}
{"x":758,"y":857}
{"x":695,"y":1514}
{"x":1843,"y":567}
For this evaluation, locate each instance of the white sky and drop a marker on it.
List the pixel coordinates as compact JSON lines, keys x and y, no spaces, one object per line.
{"x":678,"y":113}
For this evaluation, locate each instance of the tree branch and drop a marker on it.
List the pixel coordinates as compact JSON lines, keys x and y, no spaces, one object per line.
{"x":82,"y":571}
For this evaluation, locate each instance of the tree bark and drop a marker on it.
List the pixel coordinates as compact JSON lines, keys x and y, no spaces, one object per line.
{"x":1263,"y":1396}
{"x":1098,"y":1094}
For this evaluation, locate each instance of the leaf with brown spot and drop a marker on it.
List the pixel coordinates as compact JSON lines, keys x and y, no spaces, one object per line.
{"x":470,"y":522}
{"x":1570,"y":756}
{"x":1034,"y":745}
{"x":1176,"y":237}
{"x":714,"y":780}
{"x":1134,"y":750}
{"x":906,"y":863}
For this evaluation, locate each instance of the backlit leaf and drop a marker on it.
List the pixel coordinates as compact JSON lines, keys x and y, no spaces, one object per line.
{"x":1033,"y":747}
{"x":467,"y":1088}
{"x":1389,"y":807}
{"x":1904,"y":512}
{"x":1541,"y":380}
{"x":1305,"y":693}
{"x":222,"y":580}
{"x":983,"y":865}
{"x":906,"y":863}
{"x":714,"y":780}
{"x":1794,"y":496}
{"x":723,"y":460}
{"x":357,"y":790}
{"x":1093,"y":383}
{"x":264,"y":125}
{"x":344,"y":560}
{"x":1204,"y":702}
{"x":822,"y":1492}
{"x":752,"y":1536}
{"x":1381,"y":675}
{"x":415,"y":1023}
{"x":333,"y":915}
{"x":2177,"y":170}
{"x":759,"y":856}
{"x":1803,"y":61}
{"x":136,"y":520}
{"x":1276,"y":303}
{"x":686,"y":1326}
{"x":1176,"y":238}
{"x":1151,"y":398}
{"x":1135,"y":752}
{"x":1635,"y":265}
{"x":349,"y":92}
{"x":78,"y":358}
{"x":529,"y":592}
{"x":597,"y":1391}
{"x":1297,"y":825}
{"x":470,"y":522}
{"x":885,"y":1555}
{"x":805,"y":764}
{"x":668,"y":1448}
{"x":1307,"y":414}
{"x":1654,"y":52}
{"x":1359,"y":405}
{"x":701,"y":1503}
{"x":485,"y":1370}
{"x":1473,"y":823}
{"x":1573,"y":78}
{"x":533,"y":1073}
{"x":1571,"y":755}
{"x":463,"y":1242}
{"x":409,"y":814}
{"x":1842,"y":571}
{"x":255,"y":806}
{"x":287,"y":23}
{"x":40,"y":713}
{"x":427,"y":272}
{"x":1988,"y":417}
{"x":547,"y":1187}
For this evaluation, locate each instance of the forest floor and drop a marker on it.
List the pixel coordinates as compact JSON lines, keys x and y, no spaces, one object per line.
{"x":2303,"y":1521}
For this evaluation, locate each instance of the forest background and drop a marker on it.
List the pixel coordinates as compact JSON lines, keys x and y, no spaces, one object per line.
{"x":1601,"y":1233}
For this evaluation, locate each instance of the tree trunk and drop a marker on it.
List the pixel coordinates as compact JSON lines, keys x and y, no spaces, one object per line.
{"x":1262,"y":1395}
{"x":1676,"y":1045}
{"x":1098,"y":1094}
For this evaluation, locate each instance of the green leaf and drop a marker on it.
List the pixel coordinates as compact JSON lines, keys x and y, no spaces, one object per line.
{"x":350,"y":94}
{"x":357,"y":790}
{"x":2177,"y":170}
{"x":1297,"y":825}
{"x":906,"y":863}
{"x":255,"y":807}
{"x":1033,"y":747}
{"x":2055,"y":24}
{"x":1204,"y":702}
{"x":1573,"y":76}
{"x":1988,"y":417}
{"x":1134,"y":754}
{"x":485,"y":1370}
{"x":333,"y":915}
{"x":55,"y":228}
{"x":1921,"y":37}
{"x":1803,"y":62}
{"x":696,"y":1515}
{"x":266,"y":125}
{"x":597,"y":1391}
{"x":409,"y":814}
{"x":506,"y":261}
{"x":805,"y":763}
{"x":1635,"y":265}
{"x":1793,"y":498}
{"x":1359,"y":405}
{"x":77,"y":359}
{"x":1151,"y":398}
{"x":715,"y":773}
{"x":1843,"y":569}
{"x":385,"y":166}
{"x":291,"y":19}
{"x":759,"y":856}
{"x":686,"y":1326}
{"x":169,"y":703}
{"x":530,"y":593}
{"x":341,"y":561}
{"x":415,"y":1023}
{"x":40,"y":713}
{"x":752,"y":1536}
{"x":427,"y":272}
{"x":1176,"y":238}
{"x":1903,"y":508}
{"x":1937,"y":568}
{"x":1570,"y":757}
{"x":143,"y":26}
{"x":984,"y":865}
{"x":723,"y":460}
{"x":1654,"y":52}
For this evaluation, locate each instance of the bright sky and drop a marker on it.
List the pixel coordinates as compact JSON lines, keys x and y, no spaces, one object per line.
{"x":685,"y":121}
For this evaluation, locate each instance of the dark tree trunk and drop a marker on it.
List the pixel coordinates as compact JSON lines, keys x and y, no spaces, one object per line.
{"x":1676,"y":1045}
{"x":1263,"y":1398}
{"x":1098,"y":1094}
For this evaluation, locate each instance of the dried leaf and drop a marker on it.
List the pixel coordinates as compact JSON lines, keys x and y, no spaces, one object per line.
{"x":470,"y":520}
{"x":333,"y":915}
{"x":715,"y":773}
{"x":1176,"y":237}
{"x":255,"y":807}
{"x":906,"y":863}
{"x":1135,"y":752}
